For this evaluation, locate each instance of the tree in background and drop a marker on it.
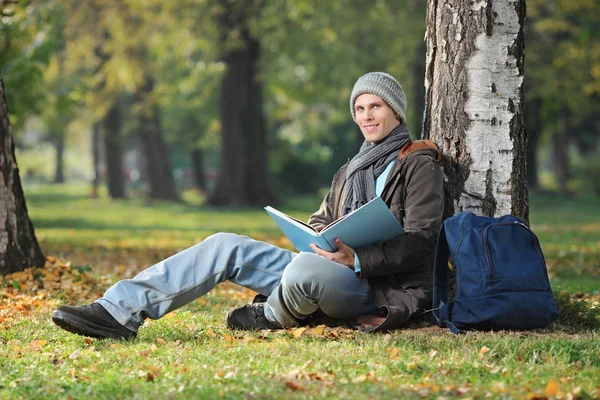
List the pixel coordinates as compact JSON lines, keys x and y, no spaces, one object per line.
{"x":159,"y":71}
{"x":123,"y":64}
{"x":243,"y":163}
{"x":474,"y":104}
{"x":563,"y":79}
{"x":19,"y":248}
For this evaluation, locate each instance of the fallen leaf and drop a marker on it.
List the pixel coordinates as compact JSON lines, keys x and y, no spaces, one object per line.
{"x":37,"y":344}
{"x":219,"y":374}
{"x":228,"y":338}
{"x":74,"y":355}
{"x":369,"y":376}
{"x":552,"y":388}
{"x":298,"y":332}
{"x":229,"y":375}
{"x":319,"y":330}
{"x":294,"y":386}
{"x":483,"y":351}
{"x":293,"y":374}
{"x":211,"y":333}
{"x":161,"y":341}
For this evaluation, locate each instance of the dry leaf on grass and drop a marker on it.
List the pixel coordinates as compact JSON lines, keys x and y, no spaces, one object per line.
{"x":211,"y":333}
{"x":298,"y":332}
{"x":393,"y":352}
{"x":293,"y":385}
{"x":37,"y":344}
{"x":552,"y":388}
{"x":483,"y":352}
{"x":368,"y":377}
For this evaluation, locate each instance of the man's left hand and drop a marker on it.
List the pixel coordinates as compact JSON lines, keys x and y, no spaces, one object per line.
{"x":344,"y":254}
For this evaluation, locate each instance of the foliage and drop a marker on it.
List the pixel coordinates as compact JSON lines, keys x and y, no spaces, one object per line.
{"x":28,"y":38}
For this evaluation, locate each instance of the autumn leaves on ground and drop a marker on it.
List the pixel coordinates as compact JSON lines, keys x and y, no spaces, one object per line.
{"x":191,"y":354}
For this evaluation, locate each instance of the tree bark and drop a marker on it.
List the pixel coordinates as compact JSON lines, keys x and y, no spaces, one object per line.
{"x":474,"y":97}
{"x":156,"y":153}
{"x":113,"y":151}
{"x":418,"y":88}
{"x":243,"y":176}
{"x":59,"y":172}
{"x":197,"y":156}
{"x":19,"y":248}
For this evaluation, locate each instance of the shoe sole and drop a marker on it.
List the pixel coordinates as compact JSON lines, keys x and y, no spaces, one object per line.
{"x":82,"y":327}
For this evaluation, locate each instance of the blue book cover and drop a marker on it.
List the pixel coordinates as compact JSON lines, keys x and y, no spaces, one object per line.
{"x":369,"y":224}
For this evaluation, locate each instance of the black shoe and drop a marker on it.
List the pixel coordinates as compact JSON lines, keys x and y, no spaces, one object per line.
{"x":249,"y":317}
{"x":90,"y":320}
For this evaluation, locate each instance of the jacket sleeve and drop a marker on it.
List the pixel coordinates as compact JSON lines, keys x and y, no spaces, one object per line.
{"x":424,"y":205}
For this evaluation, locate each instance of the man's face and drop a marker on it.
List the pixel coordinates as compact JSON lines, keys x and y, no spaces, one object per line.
{"x":374,"y":117}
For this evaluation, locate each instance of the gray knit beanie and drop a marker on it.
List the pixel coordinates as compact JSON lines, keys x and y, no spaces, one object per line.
{"x":384,"y":86}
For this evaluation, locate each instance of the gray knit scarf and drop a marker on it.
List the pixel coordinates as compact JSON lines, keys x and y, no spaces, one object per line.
{"x":368,"y":164}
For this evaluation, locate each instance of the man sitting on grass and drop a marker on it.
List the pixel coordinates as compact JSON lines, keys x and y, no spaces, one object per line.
{"x":381,"y":286}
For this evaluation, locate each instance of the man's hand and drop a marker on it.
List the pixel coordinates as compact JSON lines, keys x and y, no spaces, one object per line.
{"x":344,"y":255}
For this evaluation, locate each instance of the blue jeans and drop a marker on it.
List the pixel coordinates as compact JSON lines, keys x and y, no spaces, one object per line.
{"x":297,"y":284}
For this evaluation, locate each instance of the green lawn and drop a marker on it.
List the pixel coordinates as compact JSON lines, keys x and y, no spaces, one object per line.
{"x":191,"y":354}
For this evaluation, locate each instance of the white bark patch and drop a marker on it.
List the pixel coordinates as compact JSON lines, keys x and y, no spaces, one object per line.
{"x":479,"y":4}
{"x":488,"y":139}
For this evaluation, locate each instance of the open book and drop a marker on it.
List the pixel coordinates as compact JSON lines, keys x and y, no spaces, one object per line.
{"x":369,"y":224}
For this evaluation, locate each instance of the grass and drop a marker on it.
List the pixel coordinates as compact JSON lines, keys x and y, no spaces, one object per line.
{"x":191,"y":354}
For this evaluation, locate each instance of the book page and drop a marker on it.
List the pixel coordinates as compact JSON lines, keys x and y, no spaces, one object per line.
{"x":303,"y":224}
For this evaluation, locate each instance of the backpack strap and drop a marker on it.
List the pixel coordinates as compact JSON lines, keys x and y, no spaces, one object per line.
{"x":442,"y":311}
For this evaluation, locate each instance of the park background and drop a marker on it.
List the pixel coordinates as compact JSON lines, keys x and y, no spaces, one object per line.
{"x":115,"y":111}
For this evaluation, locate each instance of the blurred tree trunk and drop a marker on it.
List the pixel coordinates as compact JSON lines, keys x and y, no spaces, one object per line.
{"x":534,"y":124}
{"x":95,"y":159}
{"x":197,"y":156}
{"x":59,"y":172}
{"x":156,"y":152}
{"x":473,"y":109}
{"x":19,"y":248}
{"x":113,"y":151}
{"x":560,"y":148}
{"x":243,"y":177}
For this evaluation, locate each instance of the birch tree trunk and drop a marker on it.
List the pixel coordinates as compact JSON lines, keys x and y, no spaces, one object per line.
{"x":474,"y":97}
{"x":19,"y":249}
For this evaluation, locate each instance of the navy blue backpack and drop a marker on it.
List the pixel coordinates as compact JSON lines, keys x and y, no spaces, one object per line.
{"x":501,"y":277}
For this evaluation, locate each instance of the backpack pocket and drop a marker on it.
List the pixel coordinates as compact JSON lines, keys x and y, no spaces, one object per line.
{"x":514,"y":258}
